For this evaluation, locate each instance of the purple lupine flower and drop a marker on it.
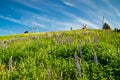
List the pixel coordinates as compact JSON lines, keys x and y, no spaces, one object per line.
{"x":49,"y":74}
{"x":95,"y":40}
{"x":80,"y":52}
{"x":10,"y":65}
{"x":77,"y":65}
{"x":95,"y":59}
{"x":58,"y":39}
{"x":80,"y":49}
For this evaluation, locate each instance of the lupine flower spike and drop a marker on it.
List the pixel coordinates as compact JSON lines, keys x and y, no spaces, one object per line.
{"x":95,"y":59}
{"x":49,"y":74}
{"x":10,"y":65}
{"x":77,"y":65}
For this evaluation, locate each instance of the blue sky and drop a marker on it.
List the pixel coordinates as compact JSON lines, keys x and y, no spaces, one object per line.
{"x":17,"y":16}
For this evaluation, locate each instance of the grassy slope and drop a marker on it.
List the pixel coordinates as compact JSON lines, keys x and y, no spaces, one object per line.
{"x":36,"y":55}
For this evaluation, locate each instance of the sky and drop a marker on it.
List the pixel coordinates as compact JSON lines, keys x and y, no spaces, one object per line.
{"x":18,"y":16}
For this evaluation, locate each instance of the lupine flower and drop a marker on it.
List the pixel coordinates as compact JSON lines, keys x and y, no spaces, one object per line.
{"x":77,"y":65}
{"x":10,"y":65}
{"x":95,"y":40}
{"x":79,"y":47}
{"x":49,"y":74}
{"x":80,"y":52}
{"x":58,"y":39}
{"x":95,"y":59}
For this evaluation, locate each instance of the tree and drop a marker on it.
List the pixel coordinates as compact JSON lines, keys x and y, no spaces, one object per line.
{"x":117,"y":30}
{"x":26,"y":32}
{"x":106,"y":26}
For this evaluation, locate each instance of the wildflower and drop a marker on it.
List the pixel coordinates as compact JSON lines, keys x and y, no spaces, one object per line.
{"x":58,"y":39}
{"x":95,"y":40}
{"x":80,"y":49}
{"x":49,"y":74}
{"x":95,"y":59}
{"x":10,"y":65}
{"x":80,"y":52}
{"x":77,"y":65}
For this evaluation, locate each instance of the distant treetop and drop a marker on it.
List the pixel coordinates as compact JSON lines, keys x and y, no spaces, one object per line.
{"x":106,"y":26}
{"x":26,"y":32}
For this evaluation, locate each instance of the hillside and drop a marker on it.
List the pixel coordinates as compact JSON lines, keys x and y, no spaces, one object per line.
{"x":65,"y":55}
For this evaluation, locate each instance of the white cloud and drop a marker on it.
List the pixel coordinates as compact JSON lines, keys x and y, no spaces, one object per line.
{"x":111,"y":6}
{"x":35,"y":4}
{"x":81,"y":20}
{"x":68,"y":4}
{"x":11,"y":19}
{"x":25,"y":21}
{"x":35,"y":24}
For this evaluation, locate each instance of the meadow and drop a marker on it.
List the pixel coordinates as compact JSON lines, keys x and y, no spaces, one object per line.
{"x":64,"y":55}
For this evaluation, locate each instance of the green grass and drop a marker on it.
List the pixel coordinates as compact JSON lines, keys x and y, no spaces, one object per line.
{"x":34,"y":55}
